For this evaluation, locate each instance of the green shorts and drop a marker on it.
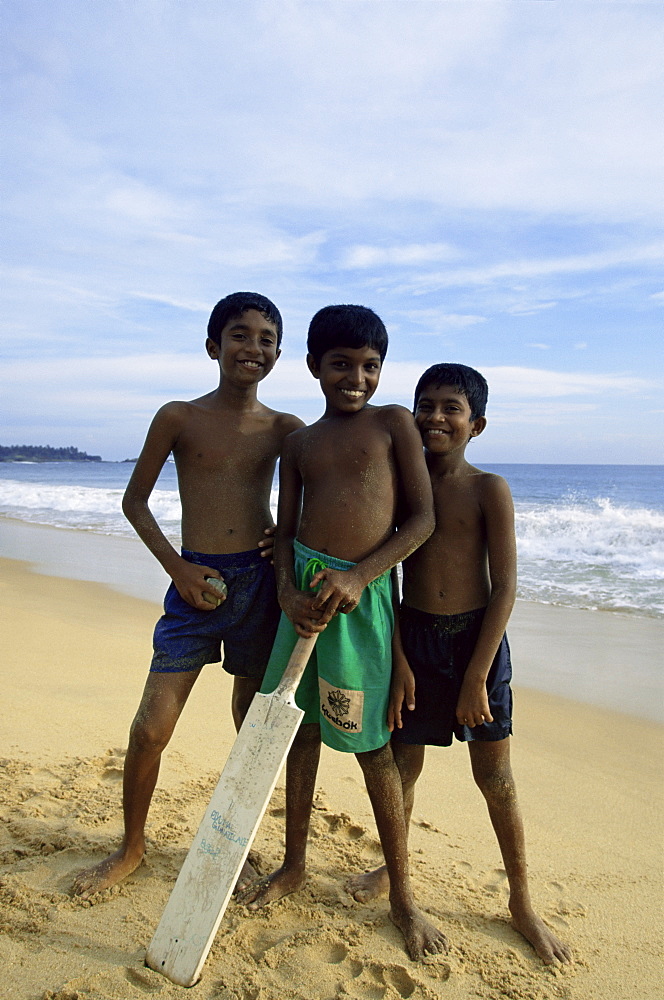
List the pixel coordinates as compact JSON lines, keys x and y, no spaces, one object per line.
{"x":346,"y":685}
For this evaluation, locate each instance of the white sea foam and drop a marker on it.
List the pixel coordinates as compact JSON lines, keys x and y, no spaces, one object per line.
{"x":592,"y":553}
{"x":83,"y":507}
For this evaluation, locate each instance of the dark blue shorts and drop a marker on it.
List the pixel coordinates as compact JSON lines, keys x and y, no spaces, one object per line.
{"x":438,"y":649}
{"x":246,"y":622}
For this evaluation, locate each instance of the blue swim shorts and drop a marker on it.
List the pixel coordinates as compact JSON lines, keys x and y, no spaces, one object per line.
{"x":246,"y":622}
{"x":438,"y":649}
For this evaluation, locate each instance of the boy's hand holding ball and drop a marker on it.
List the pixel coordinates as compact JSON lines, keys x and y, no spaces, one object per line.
{"x":218,"y":587}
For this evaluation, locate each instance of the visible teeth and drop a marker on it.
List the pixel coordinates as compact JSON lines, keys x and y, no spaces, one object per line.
{"x":355,"y":393}
{"x":251,"y":364}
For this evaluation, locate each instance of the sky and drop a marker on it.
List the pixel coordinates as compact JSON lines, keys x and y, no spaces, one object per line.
{"x":486,"y":175}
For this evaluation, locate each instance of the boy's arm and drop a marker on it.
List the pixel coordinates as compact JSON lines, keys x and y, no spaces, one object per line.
{"x":296,"y":604}
{"x":402,"y":687}
{"x":290,"y":423}
{"x":161,"y":438}
{"x":498,"y":511}
{"x":341,"y":589}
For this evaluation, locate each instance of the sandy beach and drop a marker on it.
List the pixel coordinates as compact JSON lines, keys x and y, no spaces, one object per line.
{"x":74,"y":663}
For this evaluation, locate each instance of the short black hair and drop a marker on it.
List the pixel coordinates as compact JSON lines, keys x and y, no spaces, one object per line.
{"x":234,"y":305}
{"x":465,"y":380}
{"x":346,"y":326}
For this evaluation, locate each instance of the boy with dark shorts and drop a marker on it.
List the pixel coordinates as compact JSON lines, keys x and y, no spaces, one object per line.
{"x":451,"y":658}
{"x":225,"y":446}
{"x":347,"y":473}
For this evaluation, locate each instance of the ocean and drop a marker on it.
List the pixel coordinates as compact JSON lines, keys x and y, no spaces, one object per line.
{"x":589,"y":536}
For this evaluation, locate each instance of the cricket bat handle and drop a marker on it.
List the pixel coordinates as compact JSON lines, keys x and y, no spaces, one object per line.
{"x":292,"y":675}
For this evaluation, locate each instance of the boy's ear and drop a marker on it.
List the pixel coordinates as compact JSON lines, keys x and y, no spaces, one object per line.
{"x":477,"y":426}
{"x":212,"y":348}
{"x":312,"y":366}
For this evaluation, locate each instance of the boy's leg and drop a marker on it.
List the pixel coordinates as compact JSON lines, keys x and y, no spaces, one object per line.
{"x":492,"y":772}
{"x":385,"y":792}
{"x":244,"y":689}
{"x":410,"y":761}
{"x":301,"y":770}
{"x":164,"y":697}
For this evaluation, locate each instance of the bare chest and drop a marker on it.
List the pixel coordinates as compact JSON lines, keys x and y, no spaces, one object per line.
{"x":459,"y":517}
{"x":358,"y":462}
{"x":214,"y":448}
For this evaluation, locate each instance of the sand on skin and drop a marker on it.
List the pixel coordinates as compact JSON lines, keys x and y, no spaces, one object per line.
{"x":75,"y":656}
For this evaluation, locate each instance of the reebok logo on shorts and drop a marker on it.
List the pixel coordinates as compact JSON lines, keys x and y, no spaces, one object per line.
{"x":342,"y":708}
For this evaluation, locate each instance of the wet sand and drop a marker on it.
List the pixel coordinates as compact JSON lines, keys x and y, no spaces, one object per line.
{"x":590,"y":780}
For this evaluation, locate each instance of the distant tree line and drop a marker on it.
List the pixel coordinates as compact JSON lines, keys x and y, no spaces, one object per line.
{"x":43,"y":453}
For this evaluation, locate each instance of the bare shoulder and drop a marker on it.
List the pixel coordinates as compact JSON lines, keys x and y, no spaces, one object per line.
{"x":490,"y":488}
{"x":394,"y":413}
{"x":395,"y":418}
{"x":175,"y":414}
{"x":287,"y":423}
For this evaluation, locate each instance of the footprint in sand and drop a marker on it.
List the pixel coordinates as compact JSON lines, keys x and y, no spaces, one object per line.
{"x":113,"y":765}
{"x":397,"y":979}
{"x":342,"y":823}
{"x":562,"y":909}
{"x":497,"y":884}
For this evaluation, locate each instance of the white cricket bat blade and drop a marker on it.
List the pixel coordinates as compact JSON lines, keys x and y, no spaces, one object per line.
{"x":210,"y":871}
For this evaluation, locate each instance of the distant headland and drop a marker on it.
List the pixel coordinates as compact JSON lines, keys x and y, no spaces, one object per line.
{"x":43,"y":453}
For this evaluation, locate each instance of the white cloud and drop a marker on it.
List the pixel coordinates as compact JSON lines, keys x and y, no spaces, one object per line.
{"x":628,"y":256}
{"x":530,"y":308}
{"x":167,"y":300}
{"x":437,"y":323}
{"x":529,"y":382}
{"x":540,"y":347}
{"x":409,"y":255}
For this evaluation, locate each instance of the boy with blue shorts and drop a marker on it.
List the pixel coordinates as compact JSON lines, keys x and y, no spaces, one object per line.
{"x":341,"y":482}
{"x":225,"y":446}
{"x":451,"y":658}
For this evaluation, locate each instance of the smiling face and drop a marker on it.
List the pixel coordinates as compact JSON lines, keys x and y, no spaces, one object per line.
{"x":443,"y":416}
{"x":348,"y":377}
{"x":248,"y":350}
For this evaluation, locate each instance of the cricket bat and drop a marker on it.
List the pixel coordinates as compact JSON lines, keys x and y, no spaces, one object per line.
{"x":211,"y":869}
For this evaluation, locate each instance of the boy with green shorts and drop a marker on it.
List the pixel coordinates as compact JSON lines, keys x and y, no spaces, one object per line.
{"x":347,"y":473}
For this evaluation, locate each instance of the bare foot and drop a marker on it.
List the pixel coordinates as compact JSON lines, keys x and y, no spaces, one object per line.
{"x":543,"y":940}
{"x":246,"y":877}
{"x":272,"y":887}
{"x":422,"y":937}
{"x":368,"y":885}
{"x":107,"y":873}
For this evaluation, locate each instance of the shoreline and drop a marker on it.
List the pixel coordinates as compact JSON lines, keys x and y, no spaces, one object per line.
{"x":76,"y":656}
{"x":617,"y":672}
